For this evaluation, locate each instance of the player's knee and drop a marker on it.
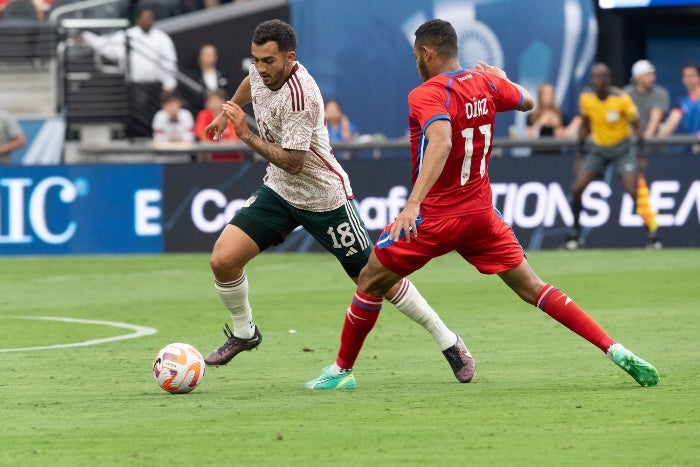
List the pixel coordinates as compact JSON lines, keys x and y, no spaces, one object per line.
{"x":216,"y":263}
{"x":378,"y":283}
{"x":222,"y":263}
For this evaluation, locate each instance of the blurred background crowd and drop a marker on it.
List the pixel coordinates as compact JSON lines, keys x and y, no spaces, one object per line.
{"x":103,"y":70}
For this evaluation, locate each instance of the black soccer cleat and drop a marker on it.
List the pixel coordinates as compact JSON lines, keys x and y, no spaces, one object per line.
{"x":232,"y":347}
{"x":461,"y":361}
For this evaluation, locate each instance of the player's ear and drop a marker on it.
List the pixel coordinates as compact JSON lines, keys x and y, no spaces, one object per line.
{"x":291,"y":55}
{"x":428,"y":53}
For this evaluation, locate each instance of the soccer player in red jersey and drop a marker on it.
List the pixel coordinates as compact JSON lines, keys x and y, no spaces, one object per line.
{"x":306,"y":186}
{"x":452,"y":117}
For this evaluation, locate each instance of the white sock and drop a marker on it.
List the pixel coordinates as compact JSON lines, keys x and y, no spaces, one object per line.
{"x":335,"y":370}
{"x":234,"y":296}
{"x":411,"y":303}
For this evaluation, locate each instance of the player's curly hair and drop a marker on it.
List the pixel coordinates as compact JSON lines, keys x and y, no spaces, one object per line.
{"x":277,"y":31}
{"x":440,"y":35}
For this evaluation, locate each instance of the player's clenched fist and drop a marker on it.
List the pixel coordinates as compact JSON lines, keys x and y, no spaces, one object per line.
{"x":235,"y":113}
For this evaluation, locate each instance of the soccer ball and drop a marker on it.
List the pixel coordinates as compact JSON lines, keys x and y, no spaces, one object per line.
{"x":178,"y":368}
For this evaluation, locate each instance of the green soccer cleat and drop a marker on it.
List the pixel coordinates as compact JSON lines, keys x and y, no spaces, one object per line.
{"x":643,"y":372}
{"x":330,"y":381}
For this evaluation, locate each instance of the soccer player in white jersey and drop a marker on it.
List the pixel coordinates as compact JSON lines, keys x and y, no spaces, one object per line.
{"x":304,"y":185}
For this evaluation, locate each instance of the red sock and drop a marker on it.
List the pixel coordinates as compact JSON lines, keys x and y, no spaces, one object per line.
{"x":560,"y":307}
{"x":359,"y":321}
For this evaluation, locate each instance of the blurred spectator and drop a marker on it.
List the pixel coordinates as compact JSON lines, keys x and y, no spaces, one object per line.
{"x":215,"y":3}
{"x":547,"y":119}
{"x":21,"y":10}
{"x":11,"y":136}
{"x":188,"y":6}
{"x":685,"y":117}
{"x":340,"y":128}
{"x":173,"y":124}
{"x":652,"y":103}
{"x":161,"y":9}
{"x":208,"y":76}
{"x":652,"y":100}
{"x":212,"y":107}
{"x":152,"y":67}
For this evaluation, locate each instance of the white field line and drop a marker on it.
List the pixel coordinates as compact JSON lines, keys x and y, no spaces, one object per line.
{"x":139,"y":331}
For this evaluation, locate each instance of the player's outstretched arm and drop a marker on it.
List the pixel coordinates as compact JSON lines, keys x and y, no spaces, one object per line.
{"x":528,"y":102}
{"x":439,"y":135}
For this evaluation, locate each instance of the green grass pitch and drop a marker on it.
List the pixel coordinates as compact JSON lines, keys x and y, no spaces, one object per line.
{"x":541,"y":395}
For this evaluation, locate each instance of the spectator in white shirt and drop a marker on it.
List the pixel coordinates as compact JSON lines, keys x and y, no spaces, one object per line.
{"x":173,"y":124}
{"x":152,"y":67}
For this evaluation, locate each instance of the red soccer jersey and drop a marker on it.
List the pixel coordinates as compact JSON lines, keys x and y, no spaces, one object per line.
{"x":469,"y":99}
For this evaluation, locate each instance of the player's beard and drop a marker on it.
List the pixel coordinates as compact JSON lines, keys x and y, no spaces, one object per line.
{"x":274,"y":79}
{"x":270,"y":80}
{"x":422,"y":69}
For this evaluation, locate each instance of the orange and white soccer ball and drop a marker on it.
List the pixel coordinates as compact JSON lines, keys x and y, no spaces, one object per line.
{"x":178,"y":368}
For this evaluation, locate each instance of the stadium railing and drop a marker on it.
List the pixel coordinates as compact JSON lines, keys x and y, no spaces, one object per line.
{"x":502,"y":147}
{"x":27,"y":42}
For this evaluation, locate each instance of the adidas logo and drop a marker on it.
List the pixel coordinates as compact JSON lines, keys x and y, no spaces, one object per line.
{"x":351,"y":252}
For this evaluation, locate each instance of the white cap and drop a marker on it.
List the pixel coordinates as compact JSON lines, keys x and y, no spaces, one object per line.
{"x":642,"y":67}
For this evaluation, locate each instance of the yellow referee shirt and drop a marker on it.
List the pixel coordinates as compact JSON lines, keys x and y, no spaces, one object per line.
{"x":610,"y":118}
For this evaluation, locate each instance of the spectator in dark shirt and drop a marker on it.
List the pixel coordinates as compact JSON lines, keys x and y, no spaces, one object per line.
{"x":209,"y":76}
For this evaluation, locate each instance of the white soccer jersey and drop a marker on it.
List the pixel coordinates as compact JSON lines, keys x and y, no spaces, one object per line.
{"x":292,"y":117}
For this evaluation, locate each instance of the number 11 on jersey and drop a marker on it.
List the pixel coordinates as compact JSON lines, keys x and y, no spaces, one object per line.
{"x":468,"y":134}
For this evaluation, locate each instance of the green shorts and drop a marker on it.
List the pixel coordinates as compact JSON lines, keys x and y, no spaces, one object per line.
{"x":623,"y":155}
{"x":267,"y":218}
